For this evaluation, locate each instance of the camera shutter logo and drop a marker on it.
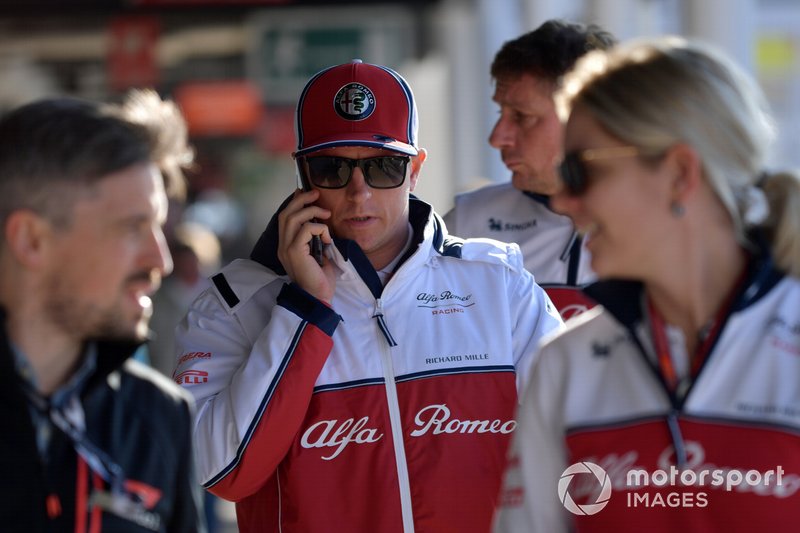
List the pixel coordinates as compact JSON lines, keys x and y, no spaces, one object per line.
{"x":589,"y":508}
{"x":354,"y":101}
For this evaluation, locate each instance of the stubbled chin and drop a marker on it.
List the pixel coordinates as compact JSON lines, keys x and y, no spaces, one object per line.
{"x":520,"y":181}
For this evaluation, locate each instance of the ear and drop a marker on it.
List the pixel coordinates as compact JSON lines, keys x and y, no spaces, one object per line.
{"x":686,"y":172}
{"x":416,"y":167}
{"x":27,"y":235}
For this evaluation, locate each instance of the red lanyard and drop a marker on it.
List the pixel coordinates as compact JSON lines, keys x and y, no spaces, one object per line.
{"x":661,"y":344}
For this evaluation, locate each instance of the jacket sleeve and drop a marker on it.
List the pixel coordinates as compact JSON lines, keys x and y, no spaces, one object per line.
{"x":188,"y":514}
{"x":535,"y":318}
{"x":251,"y":395}
{"x":529,"y":498}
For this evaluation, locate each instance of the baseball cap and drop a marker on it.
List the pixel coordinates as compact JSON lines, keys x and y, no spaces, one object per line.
{"x":356,"y":104}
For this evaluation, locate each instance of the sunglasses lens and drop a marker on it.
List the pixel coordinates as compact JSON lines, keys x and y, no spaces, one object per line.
{"x":385,"y":172}
{"x":573,"y":174}
{"x":328,"y":172}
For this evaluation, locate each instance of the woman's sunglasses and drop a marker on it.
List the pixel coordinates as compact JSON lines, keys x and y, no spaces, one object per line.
{"x":329,"y":172}
{"x":574,"y":174}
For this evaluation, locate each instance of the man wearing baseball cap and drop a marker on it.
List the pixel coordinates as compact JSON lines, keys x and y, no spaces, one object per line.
{"x":372,"y":388}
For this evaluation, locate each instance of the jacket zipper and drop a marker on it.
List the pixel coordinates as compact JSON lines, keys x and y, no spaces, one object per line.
{"x":394,"y":418}
{"x":672,"y":418}
{"x":378,"y":315}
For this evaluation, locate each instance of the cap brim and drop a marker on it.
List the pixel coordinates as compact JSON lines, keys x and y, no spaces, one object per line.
{"x":393,"y":145}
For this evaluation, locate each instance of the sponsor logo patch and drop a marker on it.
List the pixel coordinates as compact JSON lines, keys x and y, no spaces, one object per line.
{"x":354,"y":101}
{"x":194,"y":355}
{"x":496,"y":224}
{"x":191,"y":377}
{"x":333,"y":436}
{"x":784,"y":335}
{"x":445,"y":302}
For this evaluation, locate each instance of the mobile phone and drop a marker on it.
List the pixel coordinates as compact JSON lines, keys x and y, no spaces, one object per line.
{"x":316,"y":240}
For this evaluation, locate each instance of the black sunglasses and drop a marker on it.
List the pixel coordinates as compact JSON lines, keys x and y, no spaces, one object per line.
{"x":572,"y":169}
{"x":329,"y":172}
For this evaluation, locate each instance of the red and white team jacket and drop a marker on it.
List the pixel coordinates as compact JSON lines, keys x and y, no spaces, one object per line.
{"x":720,"y":453}
{"x":390,"y":411}
{"x":551,"y":248}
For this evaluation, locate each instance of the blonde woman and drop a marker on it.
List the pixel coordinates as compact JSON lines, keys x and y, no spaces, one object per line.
{"x":675,"y":404}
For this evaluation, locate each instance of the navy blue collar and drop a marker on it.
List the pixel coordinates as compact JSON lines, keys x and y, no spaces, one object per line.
{"x":541,"y":198}
{"x":622,"y":298}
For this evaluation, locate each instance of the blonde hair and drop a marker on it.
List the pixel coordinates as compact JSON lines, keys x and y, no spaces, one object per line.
{"x":167,"y":131}
{"x":655,"y":93}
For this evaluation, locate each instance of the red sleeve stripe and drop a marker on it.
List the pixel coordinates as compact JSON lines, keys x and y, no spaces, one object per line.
{"x":262,"y":408}
{"x":270,"y":434}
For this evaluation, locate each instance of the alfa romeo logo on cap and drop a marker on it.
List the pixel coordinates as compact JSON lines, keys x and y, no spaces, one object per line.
{"x":354,"y":101}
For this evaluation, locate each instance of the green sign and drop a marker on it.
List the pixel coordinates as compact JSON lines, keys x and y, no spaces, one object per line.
{"x":291,"y":46}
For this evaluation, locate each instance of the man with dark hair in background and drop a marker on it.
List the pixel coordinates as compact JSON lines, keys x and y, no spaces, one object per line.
{"x":528,"y":133}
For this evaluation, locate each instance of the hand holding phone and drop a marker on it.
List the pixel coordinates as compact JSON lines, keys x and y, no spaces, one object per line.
{"x":316,"y":249}
{"x":316,"y":241}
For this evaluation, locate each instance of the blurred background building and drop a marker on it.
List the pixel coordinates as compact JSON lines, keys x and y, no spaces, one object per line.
{"x":236,"y":67}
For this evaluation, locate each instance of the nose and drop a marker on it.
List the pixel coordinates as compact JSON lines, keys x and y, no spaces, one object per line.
{"x":502,"y":134}
{"x":157,"y":253}
{"x":357,"y":188}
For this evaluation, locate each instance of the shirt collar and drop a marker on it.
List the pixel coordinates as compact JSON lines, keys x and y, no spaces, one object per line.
{"x":74,"y":385}
{"x":386,"y":272}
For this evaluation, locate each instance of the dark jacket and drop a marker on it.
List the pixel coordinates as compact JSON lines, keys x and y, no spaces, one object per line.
{"x":137,"y":417}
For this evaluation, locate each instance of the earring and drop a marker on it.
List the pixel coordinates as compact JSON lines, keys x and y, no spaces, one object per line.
{"x":677,"y":209}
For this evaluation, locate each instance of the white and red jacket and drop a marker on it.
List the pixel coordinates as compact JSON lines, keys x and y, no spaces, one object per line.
{"x":390,"y":411}
{"x":551,"y":248}
{"x":598,"y":395}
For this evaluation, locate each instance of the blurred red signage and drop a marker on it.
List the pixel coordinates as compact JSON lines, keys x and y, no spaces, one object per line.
{"x":220,"y":107}
{"x":132,"y":58}
{"x":276,"y":134}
